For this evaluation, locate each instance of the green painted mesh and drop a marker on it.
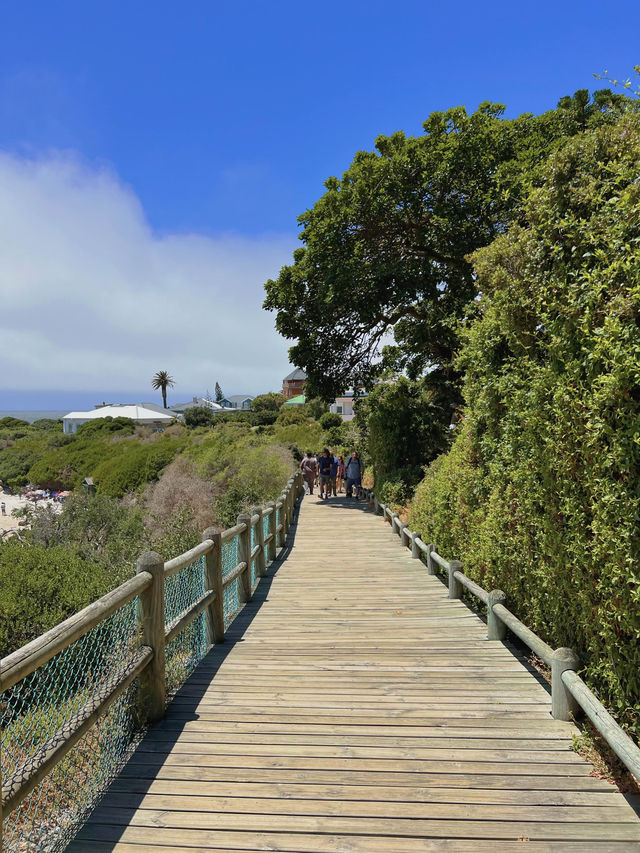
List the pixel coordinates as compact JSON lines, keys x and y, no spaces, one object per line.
{"x":34,"y":711}
{"x":186,"y":650}
{"x":229,"y":562}
{"x":254,"y":563}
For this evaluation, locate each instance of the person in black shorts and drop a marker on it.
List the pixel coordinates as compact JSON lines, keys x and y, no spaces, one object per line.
{"x":324,"y":470}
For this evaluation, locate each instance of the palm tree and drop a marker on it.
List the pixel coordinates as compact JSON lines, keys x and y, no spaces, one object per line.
{"x":162,"y":380}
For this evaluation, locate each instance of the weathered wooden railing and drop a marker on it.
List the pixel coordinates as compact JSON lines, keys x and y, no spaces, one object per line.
{"x":569,"y":693}
{"x":58,"y":689}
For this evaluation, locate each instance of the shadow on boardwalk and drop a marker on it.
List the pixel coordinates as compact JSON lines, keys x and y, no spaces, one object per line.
{"x":354,"y":707}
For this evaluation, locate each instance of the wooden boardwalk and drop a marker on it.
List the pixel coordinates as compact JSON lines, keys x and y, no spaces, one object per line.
{"x":353,"y":707}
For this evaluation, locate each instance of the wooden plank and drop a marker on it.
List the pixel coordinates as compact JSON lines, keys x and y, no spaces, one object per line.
{"x":354,"y":707}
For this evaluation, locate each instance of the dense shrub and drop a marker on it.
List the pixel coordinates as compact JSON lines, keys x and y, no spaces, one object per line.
{"x":39,"y":587}
{"x":270,"y":402}
{"x":12,"y":423}
{"x":330,"y":420}
{"x":134,"y":465}
{"x":405,"y":429}
{"x":106,"y":425}
{"x":15,"y":462}
{"x":96,"y":528}
{"x":47,"y":424}
{"x":198,"y":416}
{"x":292,"y":415}
{"x":539,"y":494}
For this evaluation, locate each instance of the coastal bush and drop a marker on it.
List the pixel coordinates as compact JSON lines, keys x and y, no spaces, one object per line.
{"x":180,"y":487}
{"x":39,"y":587}
{"x":15,"y":462}
{"x":12,"y":423}
{"x":270,"y":402}
{"x":539,"y":493}
{"x":97,"y":528}
{"x":292,"y":415}
{"x":47,"y":424}
{"x":330,"y":420}
{"x":106,"y":425}
{"x":134,"y":465}
{"x":199,"y":416}
{"x":404,"y":426}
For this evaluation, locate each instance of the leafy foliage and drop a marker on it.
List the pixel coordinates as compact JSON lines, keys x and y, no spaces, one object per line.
{"x":404,"y":427}
{"x":270,"y":402}
{"x":199,"y":416}
{"x":135,"y":465}
{"x":385,"y":248}
{"x":40,"y":586}
{"x":539,"y":494}
{"x":330,"y":420}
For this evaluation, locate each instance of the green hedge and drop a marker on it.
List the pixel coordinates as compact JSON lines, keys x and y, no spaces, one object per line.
{"x":539,"y":495}
{"x":39,"y":587}
{"x":134,"y":465}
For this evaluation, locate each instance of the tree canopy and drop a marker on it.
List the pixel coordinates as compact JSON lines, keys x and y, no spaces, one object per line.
{"x":385,"y":248}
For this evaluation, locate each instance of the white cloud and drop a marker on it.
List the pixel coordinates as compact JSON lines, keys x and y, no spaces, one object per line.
{"x":91,"y":298}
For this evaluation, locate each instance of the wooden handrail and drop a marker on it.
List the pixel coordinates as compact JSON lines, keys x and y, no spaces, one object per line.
{"x":569,"y":693}
{"x":24,"y":661}
{"x":39,"y":764}
{"x":172,"y":567}
{"x":142,"y":662}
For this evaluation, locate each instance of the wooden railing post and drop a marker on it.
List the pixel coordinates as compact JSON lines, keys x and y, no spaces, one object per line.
{"x":402,"y":527}
{"x":261,"y":563}
{"x":244,"y":556}
{"x":271,"y":547}
{"x":415,"y":550}
{"x":151,"y":617}
{"x":431,"y":563}
{"x":496,"y":629}
{"x":281,"y":533}
{"x":285,"y":514}
{"x":291,"y":498}
{"x":394,"y":523}
{"x":455,"y":587}
{"x":213,"y":580}
{"x":563,"y":705}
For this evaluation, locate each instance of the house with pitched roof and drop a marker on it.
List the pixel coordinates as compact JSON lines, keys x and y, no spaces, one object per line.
{"x":293,"y":384}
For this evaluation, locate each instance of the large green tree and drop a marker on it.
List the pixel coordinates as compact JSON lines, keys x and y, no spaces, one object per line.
{"x":385,"y":248}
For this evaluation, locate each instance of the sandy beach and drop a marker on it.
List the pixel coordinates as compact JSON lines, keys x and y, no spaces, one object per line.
{"x":8,"y":521}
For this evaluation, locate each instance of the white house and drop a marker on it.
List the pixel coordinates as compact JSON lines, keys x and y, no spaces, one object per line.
{"x":343,"y":405}
{"x":147,"y":417}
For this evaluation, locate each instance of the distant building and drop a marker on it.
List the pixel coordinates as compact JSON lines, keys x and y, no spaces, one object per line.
{"x":294,"y":383}
{"x":240,"y":401}
{"x":343,"y":405}
{"x":139,"y":414}
{"x":202,"y":402}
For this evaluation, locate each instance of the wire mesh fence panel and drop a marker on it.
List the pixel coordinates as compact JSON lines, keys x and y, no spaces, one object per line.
{"x":229,"y":562}
{"x":36,"y":715}
{"x":265,"y":533}
{"x":254,"y":563}
{"x":186,"y":650}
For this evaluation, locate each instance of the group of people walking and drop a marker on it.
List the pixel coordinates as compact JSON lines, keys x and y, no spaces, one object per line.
{"x":331,"y":473}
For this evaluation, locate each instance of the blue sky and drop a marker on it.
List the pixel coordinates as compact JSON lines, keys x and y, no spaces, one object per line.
{"x":178,"y":142}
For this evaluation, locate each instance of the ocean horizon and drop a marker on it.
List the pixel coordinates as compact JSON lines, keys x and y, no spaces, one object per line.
{"x":31,"y":415}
